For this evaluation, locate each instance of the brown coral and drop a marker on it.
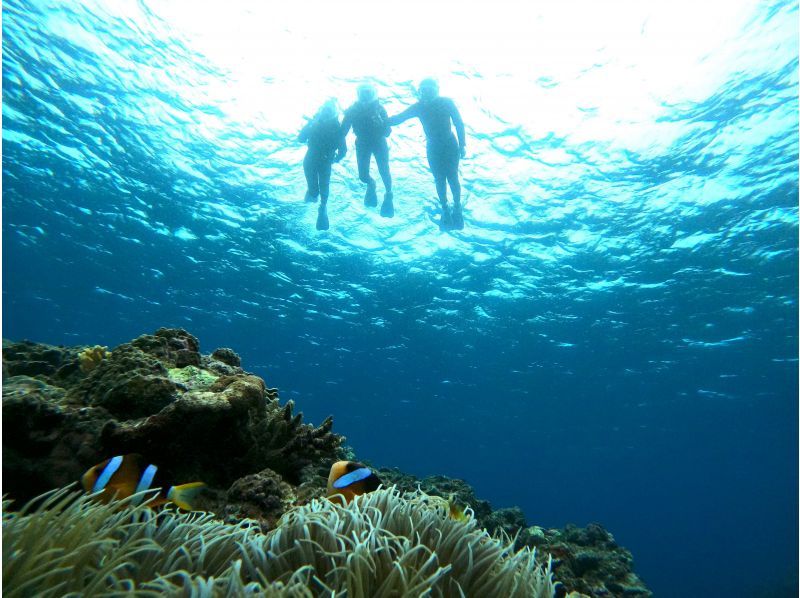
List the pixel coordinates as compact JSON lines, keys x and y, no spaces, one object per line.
{"x":149,"y":396}
{"x":129,"y":384}
{"x":174,"y":347}
{"x":262,"y":496}
{"x":587,"y":560}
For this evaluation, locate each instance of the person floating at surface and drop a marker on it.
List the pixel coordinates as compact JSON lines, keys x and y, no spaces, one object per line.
{"x":368,"y":119}
{"x":435,"y":113}
{"x":325,"y":145}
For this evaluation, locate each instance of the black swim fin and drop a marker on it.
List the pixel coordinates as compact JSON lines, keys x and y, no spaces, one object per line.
{"x":446,"y":220}
{"x":387,"y":207}
{"x":457,"y":219}
{"x":371,"y":196}
{"x":322,"y":219}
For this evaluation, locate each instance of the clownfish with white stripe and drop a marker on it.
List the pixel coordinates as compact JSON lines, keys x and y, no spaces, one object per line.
{"x":123,"y":476}
{"x":348,"y":479}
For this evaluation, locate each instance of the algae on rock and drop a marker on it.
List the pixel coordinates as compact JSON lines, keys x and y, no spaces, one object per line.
{"x":192,"y":377}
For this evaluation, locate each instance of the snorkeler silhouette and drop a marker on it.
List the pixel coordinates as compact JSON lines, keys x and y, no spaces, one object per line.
{"x":368,"y":119}
{"x":435,"y":113}
{"x":323,"y":134}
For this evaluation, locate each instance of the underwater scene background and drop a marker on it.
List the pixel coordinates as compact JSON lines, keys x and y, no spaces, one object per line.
{"x":611,"y":338}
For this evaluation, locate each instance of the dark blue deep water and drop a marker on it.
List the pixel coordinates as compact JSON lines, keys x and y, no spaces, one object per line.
{"x":611,"y":338}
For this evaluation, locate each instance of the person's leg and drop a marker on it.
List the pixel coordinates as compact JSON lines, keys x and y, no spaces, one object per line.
{"x":455,"y":188}
{"x":435,"y":161}
{"x":457,"y":217}
{"x":381,"y":151}
{"x":451,"y":169}
{"x":310,"y":170}
{"x":324,"y":180}
{"x":452,"y":176}
{"x":363,"y":156}
{"x":437,"y":169}
{"x":324,"y":174}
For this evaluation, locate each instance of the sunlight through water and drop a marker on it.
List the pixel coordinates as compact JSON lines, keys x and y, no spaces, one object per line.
{"x":616,"y":324}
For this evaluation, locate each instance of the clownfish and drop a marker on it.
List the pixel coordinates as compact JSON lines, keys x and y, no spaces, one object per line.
{"x":349,"y":479}
{"x":455,"y":509}
{"x":123,"y":476}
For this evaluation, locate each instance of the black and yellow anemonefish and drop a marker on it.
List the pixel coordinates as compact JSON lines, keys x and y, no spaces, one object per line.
{"x":348,"y":479}
{"x":123,"y":476}
{"x":455,"y":509}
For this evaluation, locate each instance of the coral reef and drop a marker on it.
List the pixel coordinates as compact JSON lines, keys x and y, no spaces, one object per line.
{"x":438,"y":485}
{"x":381,"y":544}
{"x":587,"y":560}
{"x":202,"y":417}
{"x":33,"y":359}
{"x":157,"y":396}
{"x":262,"y":497}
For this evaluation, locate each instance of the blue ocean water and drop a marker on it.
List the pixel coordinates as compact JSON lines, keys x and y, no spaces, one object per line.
{"x":611,"y":338}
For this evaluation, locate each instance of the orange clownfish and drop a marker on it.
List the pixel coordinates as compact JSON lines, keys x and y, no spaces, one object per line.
{"x":349,"y":479}
{"x":455,"y":509}
{"x":123,"y":476}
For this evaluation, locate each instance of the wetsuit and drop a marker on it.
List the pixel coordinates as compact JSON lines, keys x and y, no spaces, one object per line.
{"x":324,"y":139}
{"x":442,"y":148}
{"x":368,"y":121}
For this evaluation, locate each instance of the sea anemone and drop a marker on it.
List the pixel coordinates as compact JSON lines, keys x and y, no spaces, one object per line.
{"x":381,"y":544}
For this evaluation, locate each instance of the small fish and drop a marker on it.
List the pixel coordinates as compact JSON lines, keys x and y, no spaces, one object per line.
{"x":456,"y":509}
{"x":349,"y":479}
{"x":123,"y":476}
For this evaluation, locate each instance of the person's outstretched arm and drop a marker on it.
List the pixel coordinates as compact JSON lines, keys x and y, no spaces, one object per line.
{"x":347,"y":122}
{"x":409,"y":112}
{"x":387,"y":130}
{"x":459,"y":124}
{"x":344,"y":129}
{"x":341,"y":150}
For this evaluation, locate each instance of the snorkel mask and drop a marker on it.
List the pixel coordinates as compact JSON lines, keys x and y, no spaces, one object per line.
{"x":328,"y":110}
{"x":367,"y":93}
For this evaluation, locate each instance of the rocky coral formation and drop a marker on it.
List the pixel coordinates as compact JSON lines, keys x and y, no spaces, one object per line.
{"x":157,"y":396}
{"x":438,"y":485}
{"x":203,"y":417}
{"x":262,"y":497}
{"x":586,"y":561}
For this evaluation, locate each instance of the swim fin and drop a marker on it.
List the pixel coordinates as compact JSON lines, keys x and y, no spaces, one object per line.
{"x":387,"y":207}
{"x":322,"y":218}
{"x":457,"y":219}
{"x":371,"y":196}
{"x":446,"y":221}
